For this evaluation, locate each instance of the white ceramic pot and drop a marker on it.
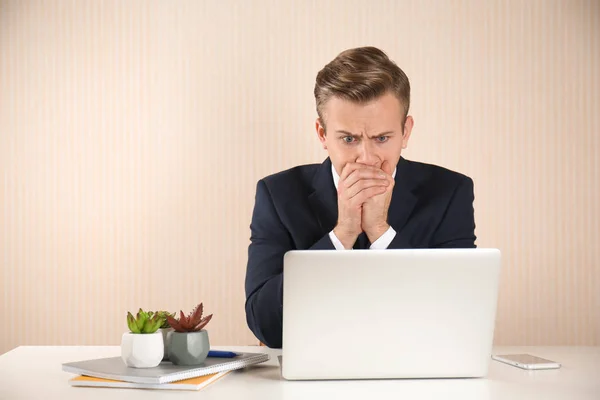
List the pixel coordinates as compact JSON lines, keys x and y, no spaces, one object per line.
{"x":142,"y":350}
{"x":164,"y":332}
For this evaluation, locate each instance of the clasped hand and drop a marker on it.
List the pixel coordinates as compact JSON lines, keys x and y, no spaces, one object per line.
{"x":364,"y":195}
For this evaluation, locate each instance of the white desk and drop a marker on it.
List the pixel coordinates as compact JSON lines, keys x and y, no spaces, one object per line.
{"x":34,"y":372}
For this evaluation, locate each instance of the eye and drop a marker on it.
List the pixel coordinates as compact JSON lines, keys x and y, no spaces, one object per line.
{"x":348,"y":139}
{"x":382,"y":139}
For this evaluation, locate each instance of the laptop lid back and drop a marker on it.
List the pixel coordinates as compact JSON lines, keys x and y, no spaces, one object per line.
{"x":415,"y":313}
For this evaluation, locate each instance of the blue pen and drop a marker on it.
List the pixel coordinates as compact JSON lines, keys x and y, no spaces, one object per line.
{"x":221,"y":354}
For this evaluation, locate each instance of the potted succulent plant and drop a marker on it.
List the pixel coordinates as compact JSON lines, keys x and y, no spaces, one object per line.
{"x":164,"y":329}
{"x":143,"y":346}
{"x":188,"y":343}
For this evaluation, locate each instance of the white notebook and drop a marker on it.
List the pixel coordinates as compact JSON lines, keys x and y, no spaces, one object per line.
{"x":114,"y":368}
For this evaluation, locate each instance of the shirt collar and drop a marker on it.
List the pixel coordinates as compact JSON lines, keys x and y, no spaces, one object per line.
{"x":336,"y":177}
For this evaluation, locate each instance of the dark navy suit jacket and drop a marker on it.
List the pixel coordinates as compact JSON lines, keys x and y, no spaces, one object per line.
{"x":431,"y":207}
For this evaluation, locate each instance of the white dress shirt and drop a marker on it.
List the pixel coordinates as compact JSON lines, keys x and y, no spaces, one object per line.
{"x":381,"y":243}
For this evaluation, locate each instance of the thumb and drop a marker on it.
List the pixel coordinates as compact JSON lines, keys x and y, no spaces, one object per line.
{"x":386,"y":167}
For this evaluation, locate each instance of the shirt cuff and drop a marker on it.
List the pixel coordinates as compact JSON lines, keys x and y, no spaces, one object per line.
{"x":336,"y":242}
{"x":384,"y":240}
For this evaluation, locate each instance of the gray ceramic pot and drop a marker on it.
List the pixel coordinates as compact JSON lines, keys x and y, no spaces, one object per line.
{"x":164,"y":332}
{"x":187,"y":348}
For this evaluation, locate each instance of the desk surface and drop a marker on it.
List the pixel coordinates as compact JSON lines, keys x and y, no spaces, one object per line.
{"x":35,"y":372}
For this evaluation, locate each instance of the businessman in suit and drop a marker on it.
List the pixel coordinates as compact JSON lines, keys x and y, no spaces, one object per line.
{"x":365,"y":195}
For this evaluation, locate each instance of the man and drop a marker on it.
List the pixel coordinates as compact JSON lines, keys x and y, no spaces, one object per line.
{"x":364,"y":196}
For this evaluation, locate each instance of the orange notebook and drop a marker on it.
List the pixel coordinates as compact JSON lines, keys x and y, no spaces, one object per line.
{"x":186,"y":384}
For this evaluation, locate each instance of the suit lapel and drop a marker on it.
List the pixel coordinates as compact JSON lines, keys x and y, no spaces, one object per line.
{"x":403,"y":199}
{"x":323,"y":200}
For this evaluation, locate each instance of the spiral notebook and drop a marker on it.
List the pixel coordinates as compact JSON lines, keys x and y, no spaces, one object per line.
{"x":114,"y":368}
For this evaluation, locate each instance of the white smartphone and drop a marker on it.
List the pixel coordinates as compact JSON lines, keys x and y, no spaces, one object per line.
{"x":526,"y":361}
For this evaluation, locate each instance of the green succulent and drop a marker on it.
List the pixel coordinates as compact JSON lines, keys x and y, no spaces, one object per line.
{"x":145,"y":322}
{"x":163,"y":314}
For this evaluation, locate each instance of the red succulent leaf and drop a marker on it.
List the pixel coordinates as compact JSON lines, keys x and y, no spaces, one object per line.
{"x":202,"y":323}
{"x":190,"y":323}
{"x":196,"y":315}
{"x":183,"y":320}
{"x":175,"y":324}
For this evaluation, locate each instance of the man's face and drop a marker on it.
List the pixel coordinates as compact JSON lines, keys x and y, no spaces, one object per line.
{"x":368,"y":133}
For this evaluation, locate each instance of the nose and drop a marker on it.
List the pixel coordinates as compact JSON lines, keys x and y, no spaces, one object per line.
{"x":367,"y":154}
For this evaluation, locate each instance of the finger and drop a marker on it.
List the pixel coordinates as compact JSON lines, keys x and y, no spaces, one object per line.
{"x":348,"y":169}
{"x":366,"y":184}
{"x":368,"y":193}
{"x":386,"y":166}
{"x":351,"y":167}
{"x":363,"y":173}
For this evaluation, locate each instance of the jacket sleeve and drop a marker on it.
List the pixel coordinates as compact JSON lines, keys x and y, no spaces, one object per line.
{"x":269,"y":241}
{"x":457,"y":228}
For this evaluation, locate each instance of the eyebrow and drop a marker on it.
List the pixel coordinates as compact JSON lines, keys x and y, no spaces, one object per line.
{"x":356,"y":136}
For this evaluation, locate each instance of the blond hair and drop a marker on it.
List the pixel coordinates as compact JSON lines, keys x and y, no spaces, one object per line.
{"x":360,"y":75}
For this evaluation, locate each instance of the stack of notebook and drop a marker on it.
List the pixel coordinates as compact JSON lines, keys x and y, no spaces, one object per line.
{"x":112,"y":372}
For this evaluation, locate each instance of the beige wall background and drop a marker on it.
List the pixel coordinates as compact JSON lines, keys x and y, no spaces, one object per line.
{"x":132,"y":134}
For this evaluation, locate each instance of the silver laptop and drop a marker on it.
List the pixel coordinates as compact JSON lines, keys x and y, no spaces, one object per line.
{"x":376,"y":314}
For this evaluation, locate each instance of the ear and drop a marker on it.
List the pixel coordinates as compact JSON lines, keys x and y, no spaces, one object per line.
{"x":408,"y":125}
{"x":320,"y":127}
